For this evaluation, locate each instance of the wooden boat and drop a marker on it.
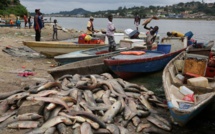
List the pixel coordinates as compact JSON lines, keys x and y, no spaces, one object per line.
{"x":100,"y":51}
{"x":88,"y":66}
{"x":128,"y":66}
{"x":7,"y":25}
{"x":202,"y":51}
{"x":183,"y":111}
{"x":51,"y":48}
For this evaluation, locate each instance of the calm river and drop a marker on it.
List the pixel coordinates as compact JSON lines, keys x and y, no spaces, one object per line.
{"x":203,"y":31}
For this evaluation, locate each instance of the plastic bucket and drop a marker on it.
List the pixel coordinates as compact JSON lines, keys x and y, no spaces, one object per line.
{"x":189,"y":35}
{"x":164,"y":48}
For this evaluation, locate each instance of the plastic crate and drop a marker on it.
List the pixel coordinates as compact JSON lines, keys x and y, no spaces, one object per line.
{"x":210,"y":72}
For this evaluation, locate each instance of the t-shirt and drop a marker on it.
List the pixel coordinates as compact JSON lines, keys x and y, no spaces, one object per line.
{"x":90,"y":25}
{"x":110,"y":29}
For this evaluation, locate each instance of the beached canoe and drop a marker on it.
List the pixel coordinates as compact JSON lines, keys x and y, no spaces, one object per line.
{"x":205,"y":50}
{"x":183,"y":111}
{"x":53,"y":48}
{"x":7,"y":25}
{"x":84,"y":67}
{"x":128,"y":66}
{"x":100,"y":51}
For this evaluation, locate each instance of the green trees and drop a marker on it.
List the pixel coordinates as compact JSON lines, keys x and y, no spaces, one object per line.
{"x":12,"y":7}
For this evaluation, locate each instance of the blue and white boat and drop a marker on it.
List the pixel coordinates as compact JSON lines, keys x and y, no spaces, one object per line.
{"x":182,"y":111}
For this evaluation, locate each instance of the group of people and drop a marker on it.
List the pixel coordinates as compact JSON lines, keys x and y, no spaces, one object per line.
{"x":151,"y":34}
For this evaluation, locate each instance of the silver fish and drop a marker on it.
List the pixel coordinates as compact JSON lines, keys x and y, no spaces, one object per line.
{"x":49,"y":85}
{"x":158,"y":123}
{"x":24,"y":124}
{"x":111,"y":113}
{"x":86,"y":128}
{"x":113,"y":129}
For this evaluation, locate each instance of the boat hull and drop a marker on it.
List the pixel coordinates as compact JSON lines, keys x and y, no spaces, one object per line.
{"x":204,"y":96}
{"x":51,"y":49}
{"x":84,"y":67}
{"x":130,"y":68}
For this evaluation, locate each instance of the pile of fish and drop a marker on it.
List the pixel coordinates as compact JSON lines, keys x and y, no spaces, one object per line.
{"x":87,"y":104}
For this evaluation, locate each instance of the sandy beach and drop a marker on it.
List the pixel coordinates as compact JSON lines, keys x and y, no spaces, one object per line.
{"x":11,"y":65}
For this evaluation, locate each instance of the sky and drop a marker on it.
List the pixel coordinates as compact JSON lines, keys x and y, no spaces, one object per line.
{"x":54,"y":6}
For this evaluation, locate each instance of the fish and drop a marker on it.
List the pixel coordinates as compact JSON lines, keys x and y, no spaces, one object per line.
{"x":145,"y":102}
{"x":29,"y":116}
{"x":4,"y":106}
{"x":158,"y":123}
{"x":86,"y":128}
{"x":88,"y":95}
{"x":123,"y":130}
{"x":65,"y":76}
{"x":7,"y":115}
{"x":61,"y":127}
{"x":142,"y":126}
{"x":55,"y":120}
{"x":108,"y":86}
{"x":92,"y":124}
{"x":50,"y":99}
{"x":64,"y":84}
{"x":155,"y":130}
{"x":77,"y":130}
{"x":24,"y":124}
{"x":116,"y":86}
{"x":111,"y":112}
{"x":45,"y":93}
{"x":107,"y":75}
{"x":49,"y":85}
{"x":136,"y":121}
{"x":89,"y":116}
{"x":163,"y":120}
{"x":12,"y":99}
{"x":101,"y":131}
{"x":113,"y":129}
{"x":7,"y":94}
{"x":76,"y":118}
{"x":50,"y":130}
{"x":51,"y":106}
{"x":55,"y":112}
{"x":105,"y":97}
{"x":99,"y":94}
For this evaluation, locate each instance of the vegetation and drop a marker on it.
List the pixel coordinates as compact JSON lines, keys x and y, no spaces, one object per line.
{"x":177,"y":9}
{"x":8,"y":7}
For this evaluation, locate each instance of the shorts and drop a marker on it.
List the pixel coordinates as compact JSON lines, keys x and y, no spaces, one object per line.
{"x":111,"y":41}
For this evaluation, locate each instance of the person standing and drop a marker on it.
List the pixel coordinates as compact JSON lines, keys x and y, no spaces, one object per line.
{"x":25,"y":20}
{"x":110,"y":34}
{"x":29,"y":22}
{"x":37,"y":25}
{"x":55,"y":28}
{"x":90,"y":27}
{"x":151,"y":34}
{"x":137,"y":21}
{"x":18,"y":22}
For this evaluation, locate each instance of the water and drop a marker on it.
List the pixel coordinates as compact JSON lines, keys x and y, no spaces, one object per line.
{"x":203,"y":31}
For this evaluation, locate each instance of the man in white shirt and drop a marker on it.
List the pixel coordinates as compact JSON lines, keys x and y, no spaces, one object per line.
{"x":110,"y":34}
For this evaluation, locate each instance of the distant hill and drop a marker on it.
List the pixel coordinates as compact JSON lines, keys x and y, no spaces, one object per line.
{"x":76,"y":11}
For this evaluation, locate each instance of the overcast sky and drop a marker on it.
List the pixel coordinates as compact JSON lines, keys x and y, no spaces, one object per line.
{"x":53,"y":6}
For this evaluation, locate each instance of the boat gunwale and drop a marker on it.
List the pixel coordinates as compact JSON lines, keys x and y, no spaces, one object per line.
{"x":112,"y":62}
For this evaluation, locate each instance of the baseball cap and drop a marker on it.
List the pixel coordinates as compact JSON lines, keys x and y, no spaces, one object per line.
{"x":91,"y":17}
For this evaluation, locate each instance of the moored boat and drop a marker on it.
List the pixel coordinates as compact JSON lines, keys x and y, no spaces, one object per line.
{"x":128,"y":66}
{"x":100,"y":51}
{"x":88,"y":66}
{"x":53,"y":48}
{"x":182,"y":110}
